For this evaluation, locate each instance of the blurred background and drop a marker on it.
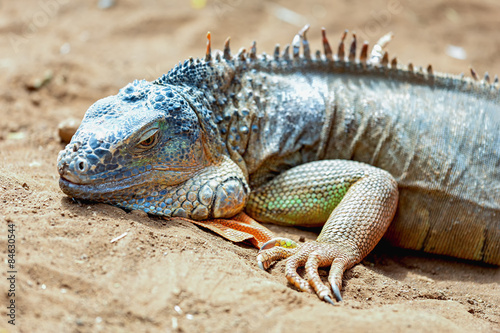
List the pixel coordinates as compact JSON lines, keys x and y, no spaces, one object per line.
{"x":59,"y":56}
{"x":115,"y":41}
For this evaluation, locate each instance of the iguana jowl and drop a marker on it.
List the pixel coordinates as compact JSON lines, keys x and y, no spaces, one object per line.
{"x":303,"y":140}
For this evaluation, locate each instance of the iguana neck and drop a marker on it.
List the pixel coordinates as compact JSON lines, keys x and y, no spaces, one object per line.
{"x":215,"y":90}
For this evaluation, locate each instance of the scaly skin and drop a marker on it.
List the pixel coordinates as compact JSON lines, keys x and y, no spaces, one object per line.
{"x":274,"y":136}
{"x":356,"y":200}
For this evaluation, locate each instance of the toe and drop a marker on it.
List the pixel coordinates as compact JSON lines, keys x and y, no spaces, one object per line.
{"x":294,"y":262}
{"x":316,"y":259}
{"x":266,"y":257}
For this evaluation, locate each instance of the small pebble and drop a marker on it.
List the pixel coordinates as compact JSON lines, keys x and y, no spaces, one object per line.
{"x":39,"y":82}
{"x":67,"y":129}
{"x":456,"y":52}
{"x":105,"y":4}
{"x":65,"y":48}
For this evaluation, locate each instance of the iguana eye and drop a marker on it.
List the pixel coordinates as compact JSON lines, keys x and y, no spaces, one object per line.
{"x":148,"y":140}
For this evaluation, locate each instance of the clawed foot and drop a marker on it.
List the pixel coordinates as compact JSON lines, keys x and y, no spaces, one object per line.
{"x":311,"y":255}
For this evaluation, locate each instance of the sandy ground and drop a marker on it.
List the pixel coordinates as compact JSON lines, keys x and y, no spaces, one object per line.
{"x":59,"y":56}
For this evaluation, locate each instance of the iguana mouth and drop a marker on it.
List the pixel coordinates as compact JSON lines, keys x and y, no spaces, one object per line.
{"x":102,"y":188}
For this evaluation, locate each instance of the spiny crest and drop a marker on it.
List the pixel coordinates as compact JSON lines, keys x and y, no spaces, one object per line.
{"x":326,"y":45}
{"x":341,"y":48}
{"x":208,"y":55}
{"x":352,"y":50}
{"x":227,"y":50}
{"x":301,"y":38}
{"x":377,"y":58}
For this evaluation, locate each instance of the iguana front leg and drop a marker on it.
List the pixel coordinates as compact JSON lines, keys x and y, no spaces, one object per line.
{"x":356,"y":200}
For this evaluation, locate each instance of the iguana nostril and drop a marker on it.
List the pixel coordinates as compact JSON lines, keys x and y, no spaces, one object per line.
{"x":82,"y":166}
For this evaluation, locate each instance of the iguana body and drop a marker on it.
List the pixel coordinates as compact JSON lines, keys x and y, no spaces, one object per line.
{"x":276,"y":135}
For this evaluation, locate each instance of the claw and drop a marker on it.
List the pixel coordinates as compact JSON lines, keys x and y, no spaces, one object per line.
{"x":336,"y":292}
{"x":267,"y":245}
{"x":328,"y":299}
{"x":261,"y":266}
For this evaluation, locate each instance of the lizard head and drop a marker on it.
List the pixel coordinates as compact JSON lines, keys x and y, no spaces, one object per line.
{"x":151,"y":148}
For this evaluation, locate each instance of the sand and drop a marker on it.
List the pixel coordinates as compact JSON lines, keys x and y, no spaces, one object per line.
{"x":60,"y":56}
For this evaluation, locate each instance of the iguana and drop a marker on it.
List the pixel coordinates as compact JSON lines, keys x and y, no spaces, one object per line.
{"x":301,"y":139}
